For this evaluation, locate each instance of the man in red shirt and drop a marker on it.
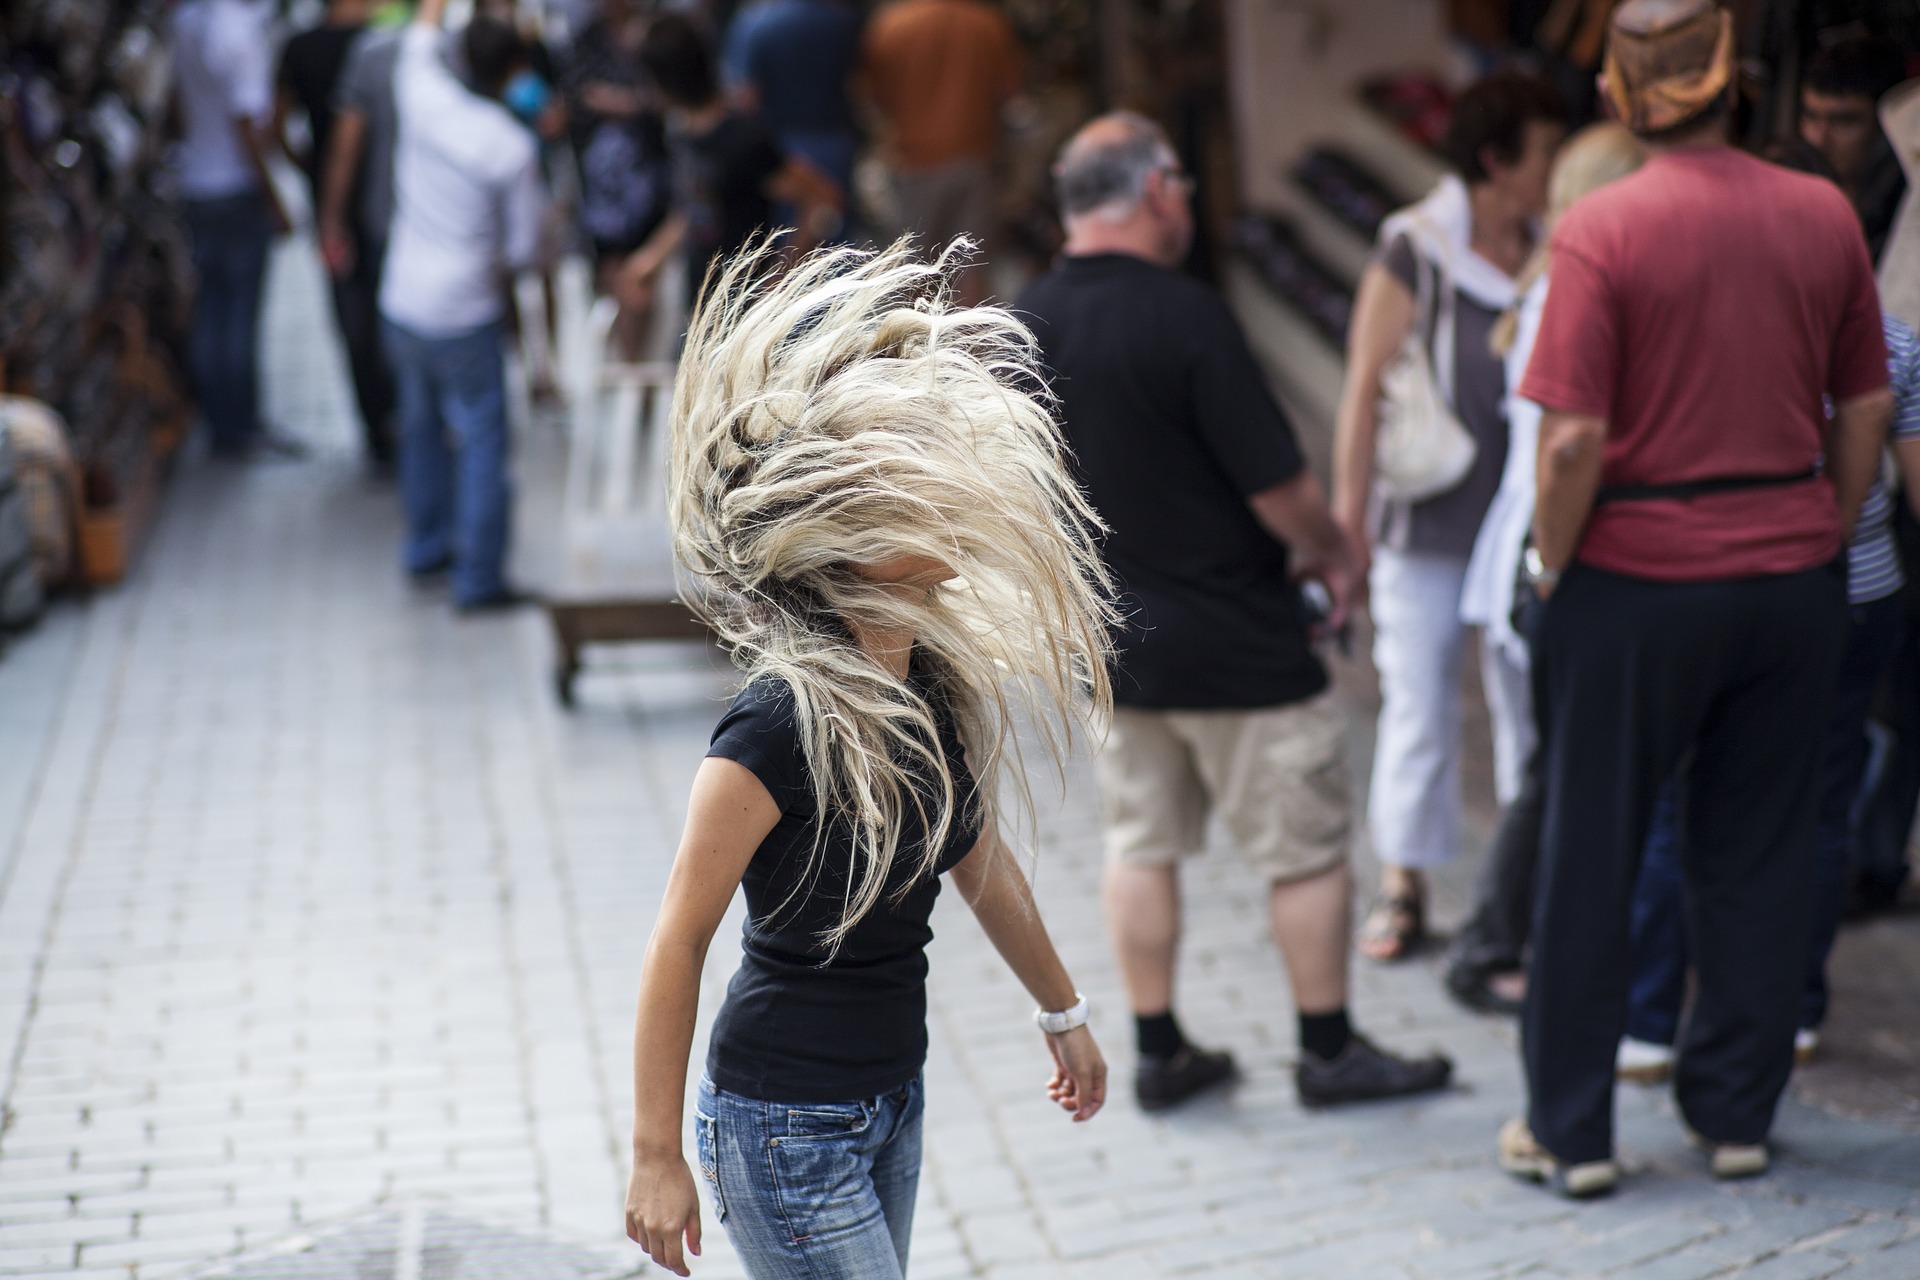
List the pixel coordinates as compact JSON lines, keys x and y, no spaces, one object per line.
{"x":1693,"y":502}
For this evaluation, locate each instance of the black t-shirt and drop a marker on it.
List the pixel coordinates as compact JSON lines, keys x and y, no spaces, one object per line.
{"x":798,"y":1025}
{"x":1173,"y":428}
{"x":310,"y":67}
{"x":720,"y":179}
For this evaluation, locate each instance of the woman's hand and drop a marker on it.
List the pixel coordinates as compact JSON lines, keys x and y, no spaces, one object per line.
{"x":663,"y":1209}
{"x":1079,"y":1081}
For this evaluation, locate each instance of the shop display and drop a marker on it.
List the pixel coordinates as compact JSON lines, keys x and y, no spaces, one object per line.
{"x":95,"y":281}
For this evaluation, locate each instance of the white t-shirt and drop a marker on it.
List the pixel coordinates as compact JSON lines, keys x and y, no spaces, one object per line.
{"x":467,"y":197}
{"x":224,"y":69}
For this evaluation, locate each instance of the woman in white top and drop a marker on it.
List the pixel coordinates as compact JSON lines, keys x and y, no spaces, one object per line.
{"x":1485,"y":968}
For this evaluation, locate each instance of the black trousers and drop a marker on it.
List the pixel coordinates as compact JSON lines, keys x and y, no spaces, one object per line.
{"x":1632,"y":674}
{"x":1494,"y":937}
{"x":356,"y":307}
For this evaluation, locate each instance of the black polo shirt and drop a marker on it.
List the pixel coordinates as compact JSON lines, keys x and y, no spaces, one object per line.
{"x":1173,"y":427}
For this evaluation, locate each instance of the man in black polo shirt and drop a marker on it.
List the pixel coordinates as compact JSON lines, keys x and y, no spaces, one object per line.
{"x":1222,"y":704}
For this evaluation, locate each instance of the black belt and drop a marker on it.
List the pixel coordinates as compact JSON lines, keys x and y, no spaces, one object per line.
{"x":1687,"y":490}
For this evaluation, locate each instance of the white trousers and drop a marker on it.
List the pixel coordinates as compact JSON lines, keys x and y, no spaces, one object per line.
{"x":1413,"y":808}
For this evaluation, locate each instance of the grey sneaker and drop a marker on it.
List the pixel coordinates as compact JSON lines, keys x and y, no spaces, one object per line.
{"x":1364,"y":1072}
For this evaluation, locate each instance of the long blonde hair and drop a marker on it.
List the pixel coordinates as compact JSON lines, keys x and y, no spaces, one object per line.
{"x":846,"y":412}
{"x":1598,"y":154}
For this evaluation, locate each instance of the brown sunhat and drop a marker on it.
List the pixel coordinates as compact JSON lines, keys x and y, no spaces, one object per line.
{"x":1667,"y":61}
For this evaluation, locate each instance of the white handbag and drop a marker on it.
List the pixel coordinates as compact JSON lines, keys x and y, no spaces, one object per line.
{"x":1421,"y":449}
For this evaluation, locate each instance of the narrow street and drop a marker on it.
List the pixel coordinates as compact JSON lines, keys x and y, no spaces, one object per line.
{"x":313,"y":902}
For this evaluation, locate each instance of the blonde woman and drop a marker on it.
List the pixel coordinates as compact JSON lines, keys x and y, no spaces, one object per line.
{"x":879,"y":522}
{"x":1485,"y":967}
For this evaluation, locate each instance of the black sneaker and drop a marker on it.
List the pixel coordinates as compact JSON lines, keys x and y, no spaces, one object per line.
{"x":499,"y":602}
{"x":1160,"y":1083}
{"x":1473,"y":987}
{"x":1364,"y":1072}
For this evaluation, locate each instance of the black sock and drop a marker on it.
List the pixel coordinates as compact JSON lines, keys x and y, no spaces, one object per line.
{"x":1325,"y":1035}
{"x":1157,"y":1035}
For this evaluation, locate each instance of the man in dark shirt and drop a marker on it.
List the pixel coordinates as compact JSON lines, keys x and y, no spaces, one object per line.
{"x":1221,"y":704}
{"x":1840,"y":118}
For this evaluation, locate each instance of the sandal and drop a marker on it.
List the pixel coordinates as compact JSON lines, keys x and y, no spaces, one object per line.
{"x":1394,"y":927}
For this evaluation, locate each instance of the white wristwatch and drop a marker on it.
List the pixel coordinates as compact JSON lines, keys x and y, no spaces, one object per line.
{"x":1537,"y":572}
{"x":1066,"y":1020}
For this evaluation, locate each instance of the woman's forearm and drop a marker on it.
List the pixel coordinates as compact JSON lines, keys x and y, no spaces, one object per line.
{"x":993,"y":885}
{"x":662,"y":1041}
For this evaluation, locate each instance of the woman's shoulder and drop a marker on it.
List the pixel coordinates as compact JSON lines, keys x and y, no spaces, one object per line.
{"x":761,"y":731}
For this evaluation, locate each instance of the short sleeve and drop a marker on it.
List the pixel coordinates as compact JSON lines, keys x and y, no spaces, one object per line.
{"x":1576,"y":357}
{"x":1234,"y":408}
{"x":350,"y":93}
{"x":1859,"y":363}
{"x":1397,"y":258}
{"x":1903,"y":367}
{"x":247,"y":64}
{"x":759,"y":732}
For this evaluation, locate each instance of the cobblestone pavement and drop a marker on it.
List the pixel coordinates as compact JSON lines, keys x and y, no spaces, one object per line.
{"x":312,"y":900}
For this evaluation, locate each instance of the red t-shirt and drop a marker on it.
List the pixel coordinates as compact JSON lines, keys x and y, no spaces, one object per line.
{"x":1702,"y":307}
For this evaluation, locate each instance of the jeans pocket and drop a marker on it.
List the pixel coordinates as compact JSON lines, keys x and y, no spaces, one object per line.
{"x":825,"y":1120}
{"x":707,"y":1141}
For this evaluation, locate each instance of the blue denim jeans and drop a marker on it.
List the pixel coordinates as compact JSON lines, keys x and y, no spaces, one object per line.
{"x":821,"y":1190}
{"x":453,"y":455}
{"x":230,"y":237}
{"x":1660,"y":946}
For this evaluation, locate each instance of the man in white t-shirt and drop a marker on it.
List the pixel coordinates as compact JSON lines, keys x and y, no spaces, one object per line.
{"x":467,"y":208}
{"x":224,"y":89}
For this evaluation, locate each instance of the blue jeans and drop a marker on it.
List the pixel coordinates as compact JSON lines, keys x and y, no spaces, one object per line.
{"x":453,"y":455}
{"x":821,"y":1190}
{"x":230,"y":238}
{"x":1659,"y":906}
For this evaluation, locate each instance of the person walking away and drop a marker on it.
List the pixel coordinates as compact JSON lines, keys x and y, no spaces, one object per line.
{"x":224,"y":101}
{"x":1686,"y":535}
{"x":1839,"y":117}
{"x":895,"y":617}
{"x":940,"y":72}
{"x":619,"y":135}
{"x":312,"y":72}
{"x":1446,"y":266}
{"x":795,"y":60}
{"x":1213,"y":522}
{"x":728,"y":171}
{"x":1486,"y":965}
{"x":1876,"y":587}
{"x":467,"y":213}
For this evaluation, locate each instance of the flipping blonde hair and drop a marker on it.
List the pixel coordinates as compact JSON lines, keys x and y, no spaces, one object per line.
{"x":845,"y":413}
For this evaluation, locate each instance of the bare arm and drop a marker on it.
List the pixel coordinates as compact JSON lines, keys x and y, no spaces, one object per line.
{"x":728,"y":816}
{"x":1858,"y":434}
{"x":342,"y":165}
{"x":282,"y":109}
{"x":989,"y":878}
{"x":1567,"y":475}
{"x":817,"y":200}
{"x":1295,"y":512}
{"x":255,"y":141}
{"x":1382,"y":315}
{"x":634,"y":285}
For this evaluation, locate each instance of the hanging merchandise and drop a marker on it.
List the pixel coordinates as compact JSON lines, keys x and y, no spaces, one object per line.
{"x":95,"y":282}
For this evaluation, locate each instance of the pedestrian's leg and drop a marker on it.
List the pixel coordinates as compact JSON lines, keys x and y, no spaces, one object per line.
{"x":1749,"y":854}
{"x":213,"y":300}
{"x":1311,"y":923}
{"x":1659,"y":948}
{"x":1153,"y":813}
{"x":797,"y":1184}
{"x":356,"y":307}
{"x":896,"y":1165}
{"x":474,"y":401}
{"x":1493,"y":940}
{"x":1624,"y":668}
{"x":1871,"y":639}
{"x":426,"y":461}
{"x":1508,"y":687}
{"x":1414,"y":806}
{"x":252,"y":239}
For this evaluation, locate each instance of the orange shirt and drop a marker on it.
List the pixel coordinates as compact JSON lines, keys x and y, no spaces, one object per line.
{"x":940,"y":70}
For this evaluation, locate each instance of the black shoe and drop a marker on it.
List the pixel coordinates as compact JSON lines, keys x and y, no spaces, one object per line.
{"x":1474,"y":989}
{"x":432,"y":572}
{"x":499,"y":602}
{"x":1160,"y":1083}
{"x":1364,"y":1072}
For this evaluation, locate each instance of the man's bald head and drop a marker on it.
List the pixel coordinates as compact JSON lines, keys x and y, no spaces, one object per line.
{"x":1105,"y":167}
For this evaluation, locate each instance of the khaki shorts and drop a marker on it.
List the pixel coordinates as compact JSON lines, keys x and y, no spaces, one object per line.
{"x":951,"y":200}
{"x":1278,"y":777}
